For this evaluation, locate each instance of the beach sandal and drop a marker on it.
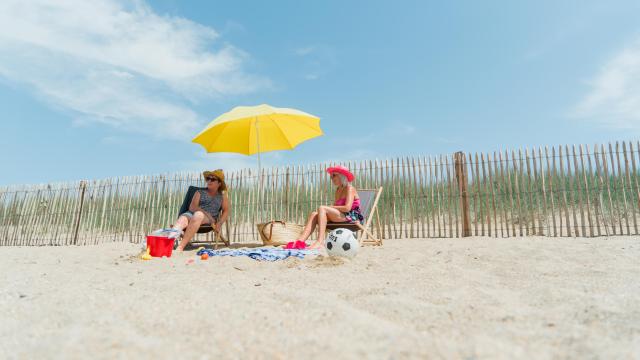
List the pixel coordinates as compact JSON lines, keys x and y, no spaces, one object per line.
{"x":177,"y":237}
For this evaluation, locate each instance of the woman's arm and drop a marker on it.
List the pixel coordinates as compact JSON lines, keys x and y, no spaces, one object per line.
{"x":195,"y":202}
{"x":225,"y":212}
{"x":351,"y":194}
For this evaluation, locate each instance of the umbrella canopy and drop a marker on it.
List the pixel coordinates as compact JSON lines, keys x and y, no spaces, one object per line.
{"x":256,"y":129}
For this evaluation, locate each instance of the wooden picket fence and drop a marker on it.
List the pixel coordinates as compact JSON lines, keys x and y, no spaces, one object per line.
{"x":562,"y":191}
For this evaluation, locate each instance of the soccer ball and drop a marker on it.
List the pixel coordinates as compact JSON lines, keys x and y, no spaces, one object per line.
{"x":342,"y":242}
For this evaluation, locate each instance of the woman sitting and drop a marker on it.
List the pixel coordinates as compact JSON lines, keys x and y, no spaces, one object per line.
{"x":346,"y":207}
{"x":210,"y":206}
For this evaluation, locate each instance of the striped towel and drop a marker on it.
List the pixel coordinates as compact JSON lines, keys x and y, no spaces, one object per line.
{"x":260,"y":254}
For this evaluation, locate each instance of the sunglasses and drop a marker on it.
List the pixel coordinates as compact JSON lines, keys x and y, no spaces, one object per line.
{"x":212,"y":179}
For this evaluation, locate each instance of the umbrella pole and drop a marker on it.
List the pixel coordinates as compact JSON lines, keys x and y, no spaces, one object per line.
{"x":260,"y":207}
{"x":259,"y":169}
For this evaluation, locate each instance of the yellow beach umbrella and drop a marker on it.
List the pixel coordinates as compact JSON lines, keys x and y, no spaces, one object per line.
{"x":256,"y":129}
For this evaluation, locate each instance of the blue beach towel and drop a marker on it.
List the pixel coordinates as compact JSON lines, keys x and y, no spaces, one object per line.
{"x":260,"y":254}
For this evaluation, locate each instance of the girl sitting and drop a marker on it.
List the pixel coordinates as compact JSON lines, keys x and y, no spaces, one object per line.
{"x":346,"y":208}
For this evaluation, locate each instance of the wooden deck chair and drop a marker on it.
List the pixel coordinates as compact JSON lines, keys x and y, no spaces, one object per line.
{"x":368,"y":205}
{"x":204,"y":229}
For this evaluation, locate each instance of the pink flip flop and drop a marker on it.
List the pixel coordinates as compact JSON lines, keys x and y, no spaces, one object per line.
{"x":296,"y":245}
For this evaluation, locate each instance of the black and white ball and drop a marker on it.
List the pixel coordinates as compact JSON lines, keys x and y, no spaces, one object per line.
{"x":342,"y":242}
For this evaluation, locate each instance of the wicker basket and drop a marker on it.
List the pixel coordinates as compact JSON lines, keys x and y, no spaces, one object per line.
{"x":277,"y":233}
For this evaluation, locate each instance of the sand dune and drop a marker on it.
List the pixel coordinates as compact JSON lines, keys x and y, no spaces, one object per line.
{"x":424,"y":298}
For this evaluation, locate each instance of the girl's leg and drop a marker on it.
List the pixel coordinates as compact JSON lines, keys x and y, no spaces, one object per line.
{"x":310,"y":226}
{"x":194,"y":223}
{"x":326,"y":213}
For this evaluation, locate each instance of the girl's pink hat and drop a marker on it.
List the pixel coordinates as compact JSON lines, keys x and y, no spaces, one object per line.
{"x":341,"y":170}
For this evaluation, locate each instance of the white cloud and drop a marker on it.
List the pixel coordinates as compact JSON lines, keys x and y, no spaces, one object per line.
{"x":316,"y":60}
{"x":614,"y":98}
{"x":119,"y":63}
{"x":305,"y":50}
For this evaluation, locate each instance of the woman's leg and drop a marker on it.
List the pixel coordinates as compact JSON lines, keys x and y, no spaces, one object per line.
{"x":181,"y":223}
{"x":310,"y":226}
{"x":196,"y":220}
{"x":326,"y":213}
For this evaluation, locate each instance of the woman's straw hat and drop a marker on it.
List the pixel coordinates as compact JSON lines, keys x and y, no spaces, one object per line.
{"x":218,"y":173}
{"x":341,"y":170}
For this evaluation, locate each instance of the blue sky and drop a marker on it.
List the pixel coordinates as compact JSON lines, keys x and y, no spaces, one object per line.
{"x":110,"y":88}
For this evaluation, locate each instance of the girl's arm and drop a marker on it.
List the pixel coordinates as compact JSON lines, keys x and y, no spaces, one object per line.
{"x":351,"y":194}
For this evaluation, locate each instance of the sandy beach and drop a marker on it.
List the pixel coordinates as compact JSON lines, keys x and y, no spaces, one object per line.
{"x":422,"y":298}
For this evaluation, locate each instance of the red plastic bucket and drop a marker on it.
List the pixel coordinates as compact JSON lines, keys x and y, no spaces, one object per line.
{"x":159,"y":246}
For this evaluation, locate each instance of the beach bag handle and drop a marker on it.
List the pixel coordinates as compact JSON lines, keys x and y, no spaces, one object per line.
{"x":270,"y":224}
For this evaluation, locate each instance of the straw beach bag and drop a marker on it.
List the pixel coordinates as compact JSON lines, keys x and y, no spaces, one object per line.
{"x":278,"y":232}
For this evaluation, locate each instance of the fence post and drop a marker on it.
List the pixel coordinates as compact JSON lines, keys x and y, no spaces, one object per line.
{"x":460,"y":165}
{"x":83,"y":187}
